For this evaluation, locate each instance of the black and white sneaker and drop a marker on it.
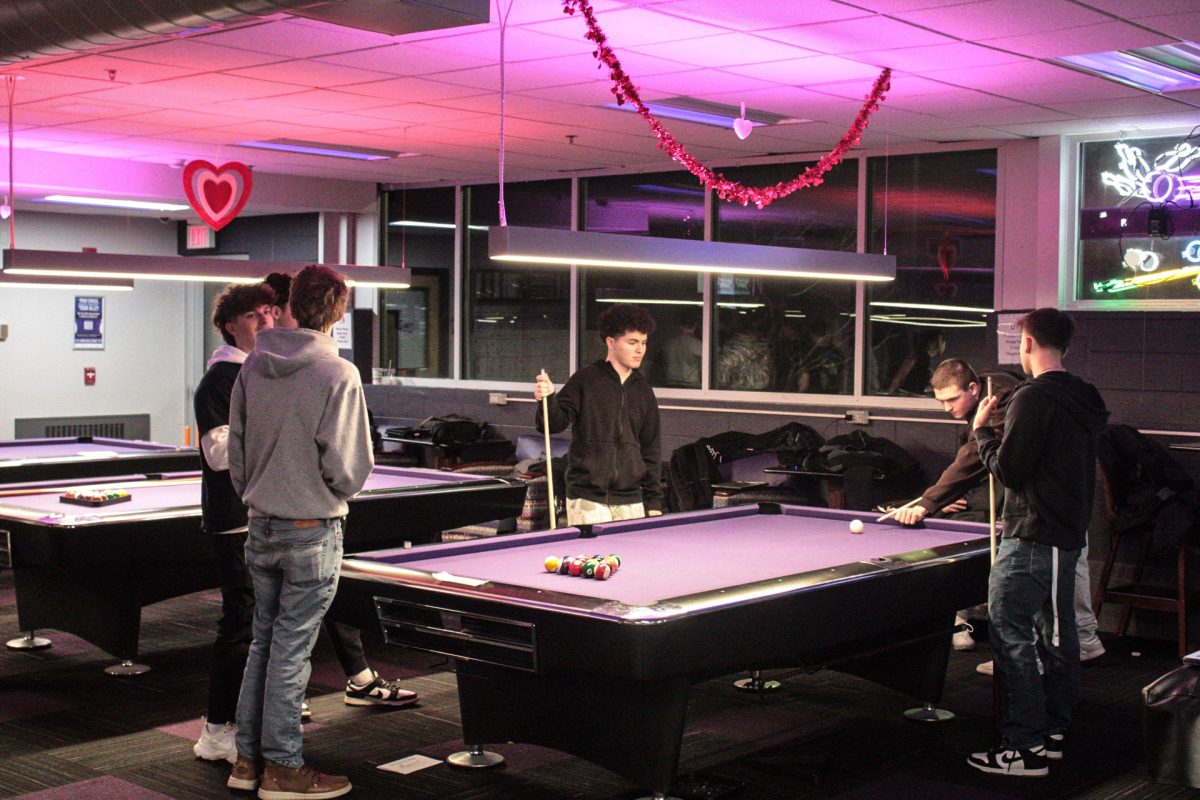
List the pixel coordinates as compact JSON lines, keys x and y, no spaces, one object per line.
{"x":1054,"y":746}
{"x":378,"y":692}
{"x":1030,"y":763}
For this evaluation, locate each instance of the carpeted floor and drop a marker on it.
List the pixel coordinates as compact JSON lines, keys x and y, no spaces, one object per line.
{"x":68,"y":731}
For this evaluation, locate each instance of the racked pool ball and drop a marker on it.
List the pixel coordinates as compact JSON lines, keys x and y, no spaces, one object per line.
{"x":856,"y":526}
{"x":553,"y":563}
{"x":603,"y":571}
{"x":589,"y":567}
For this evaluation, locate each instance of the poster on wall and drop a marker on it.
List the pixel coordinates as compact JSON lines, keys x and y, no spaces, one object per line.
{"x":89,"y":323}
{"x":343,"y":332}
{"x":1008,"y":339}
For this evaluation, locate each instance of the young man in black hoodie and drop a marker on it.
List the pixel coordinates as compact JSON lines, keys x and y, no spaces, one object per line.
{"x":1045,"y":461}
{"x":614,"y":465}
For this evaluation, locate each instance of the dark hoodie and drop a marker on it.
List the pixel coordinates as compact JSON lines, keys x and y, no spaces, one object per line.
{"x":1047,"y":458}
{"x":615,"y":447}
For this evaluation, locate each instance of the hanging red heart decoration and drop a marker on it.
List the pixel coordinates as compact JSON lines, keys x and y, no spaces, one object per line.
{"x":217,"y":194}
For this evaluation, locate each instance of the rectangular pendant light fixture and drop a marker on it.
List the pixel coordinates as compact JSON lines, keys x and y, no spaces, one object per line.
{"x":108,"y":266}
{"x":591,"y":249}
{"x":77,"y":284}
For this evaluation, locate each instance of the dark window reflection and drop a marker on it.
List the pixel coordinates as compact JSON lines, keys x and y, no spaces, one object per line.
{"x":779,"y":334}
{"x":670,"y":205}
{"x":415,"y":323}
{"x":518,"y":315}
{"x":936,"y":212}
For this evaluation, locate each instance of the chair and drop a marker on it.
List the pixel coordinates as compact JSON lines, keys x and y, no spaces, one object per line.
{"x":1138,"y":594}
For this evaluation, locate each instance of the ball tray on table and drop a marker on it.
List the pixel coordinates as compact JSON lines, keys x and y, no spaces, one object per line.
{"x":95,"y":499}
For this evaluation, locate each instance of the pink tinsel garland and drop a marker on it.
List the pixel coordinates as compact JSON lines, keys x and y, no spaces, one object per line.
{"x":761,"y":196}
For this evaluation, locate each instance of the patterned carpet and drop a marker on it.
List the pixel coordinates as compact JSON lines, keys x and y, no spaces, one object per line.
{"x":68,"y":730}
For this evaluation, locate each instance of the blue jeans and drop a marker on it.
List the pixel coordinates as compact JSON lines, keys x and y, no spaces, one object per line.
{"x":1022,"y":596}
{"x":295,"y":572}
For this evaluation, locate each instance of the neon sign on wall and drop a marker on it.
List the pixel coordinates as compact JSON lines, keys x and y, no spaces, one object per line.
{"x":1140,"y":219}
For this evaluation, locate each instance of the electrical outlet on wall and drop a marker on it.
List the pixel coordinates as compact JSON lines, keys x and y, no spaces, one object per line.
{"x":858,"y":416}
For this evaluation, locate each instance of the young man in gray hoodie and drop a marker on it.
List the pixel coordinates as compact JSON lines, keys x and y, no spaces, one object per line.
{"x":295,"y":471}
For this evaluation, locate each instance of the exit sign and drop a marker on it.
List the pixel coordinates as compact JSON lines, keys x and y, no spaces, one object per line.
{"x":201,"y":237}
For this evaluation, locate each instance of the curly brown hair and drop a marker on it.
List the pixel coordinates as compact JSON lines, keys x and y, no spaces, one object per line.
{"x":319,"y":297}
{"x":235,"y":300}
{"x":616,"y":320}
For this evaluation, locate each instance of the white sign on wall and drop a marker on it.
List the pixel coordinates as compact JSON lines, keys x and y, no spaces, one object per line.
{"x":1008,"y":339}
{"x":343,"y":333}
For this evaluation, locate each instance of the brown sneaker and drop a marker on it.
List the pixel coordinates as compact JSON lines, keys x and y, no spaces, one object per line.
{"x":299,"y":783}
{"x":244,"y":774}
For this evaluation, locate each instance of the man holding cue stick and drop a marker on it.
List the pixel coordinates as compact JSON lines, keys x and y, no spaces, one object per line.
{"x":614,"y":464}
{"x":1045,"y":461}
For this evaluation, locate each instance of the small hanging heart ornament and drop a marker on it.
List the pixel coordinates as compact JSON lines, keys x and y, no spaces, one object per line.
{"x":217,"y":194}
{"x":742,"y":126}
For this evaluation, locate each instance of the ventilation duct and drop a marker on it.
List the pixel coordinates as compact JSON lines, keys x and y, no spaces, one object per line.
{"x":37,"y":29}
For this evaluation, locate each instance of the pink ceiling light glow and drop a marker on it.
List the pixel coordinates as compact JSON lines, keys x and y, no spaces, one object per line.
{"x":761,"y":196}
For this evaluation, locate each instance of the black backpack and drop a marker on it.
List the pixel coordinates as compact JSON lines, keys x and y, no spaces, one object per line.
{"x":1142,"y":476}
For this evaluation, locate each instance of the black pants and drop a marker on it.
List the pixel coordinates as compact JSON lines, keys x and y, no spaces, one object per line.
{"x":234,"y":631}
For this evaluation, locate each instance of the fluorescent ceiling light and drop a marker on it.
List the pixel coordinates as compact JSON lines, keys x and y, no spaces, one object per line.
{"x":932,"y":307}
{"x":591,"y":249}
{"x":10,"y":281}
{"x":324,"y":149}
{"x":1135,"y":68}
{"x":718,"y":115}
{"x":167,"y":268}
{"x":113,"y":202}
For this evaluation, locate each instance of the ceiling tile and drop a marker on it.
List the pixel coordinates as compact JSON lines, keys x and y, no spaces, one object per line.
{"x":958,"y":55}
{"x":698,"y":82}
{"x":1185,"y":27}
{"x":632,"y":27}
{"x":192,"y":52}
{"x":722,"y":50}
{"x":1077,"y":41}
{"x":291,"y":38}
{"x":998,"y":18}
{"x":311,"y":74}
{"x":809,"y":71}
{"x":857,"y":35}
{"x":757,"y":16}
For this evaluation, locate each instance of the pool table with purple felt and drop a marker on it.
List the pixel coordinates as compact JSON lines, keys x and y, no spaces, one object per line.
{"x":80,"y":457}
{"x":90,"y":571}
{"x":698,"y":595}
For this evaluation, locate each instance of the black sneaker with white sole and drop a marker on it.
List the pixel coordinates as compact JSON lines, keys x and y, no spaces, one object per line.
{"x":1054,"y":746}
{"x":379,"y":691}
{"x":1030,"y":763}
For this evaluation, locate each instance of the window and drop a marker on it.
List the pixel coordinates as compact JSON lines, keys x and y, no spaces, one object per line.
{"x":936,"y":212}
{"x":780,"y":334}
{"x":415,"y":323}
{"x":1139,"y":220}
{"x":668,"y":204}
{"x":517,"y":320}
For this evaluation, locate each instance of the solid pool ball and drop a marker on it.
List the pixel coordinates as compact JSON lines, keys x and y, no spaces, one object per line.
{"x":564,"y":565}
{"x":856,"y":526}
{"x":553,"y":563}
{"x":576,"y":568}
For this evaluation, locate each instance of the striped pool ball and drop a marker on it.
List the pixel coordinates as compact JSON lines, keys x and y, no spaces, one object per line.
{"x":553,"y":563}
{"x":613,"y":561}
{"x":589,"y":567}
{"x":603,"y":571}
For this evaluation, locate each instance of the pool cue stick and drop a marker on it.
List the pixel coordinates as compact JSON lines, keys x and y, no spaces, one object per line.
{"x":997,"y":688}
{"x":110,"y":485}
{"x":549,"y":464}
{"x":991,"y":498}
{"x":893,"y":512}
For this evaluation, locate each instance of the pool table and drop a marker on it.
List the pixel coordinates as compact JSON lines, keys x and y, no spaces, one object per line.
{"x":79,"y":457}
{"x":90,"y":571}
{"x":602,"y":669}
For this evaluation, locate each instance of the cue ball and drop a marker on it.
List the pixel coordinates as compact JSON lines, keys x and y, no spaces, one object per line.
{"x":856,"y":526}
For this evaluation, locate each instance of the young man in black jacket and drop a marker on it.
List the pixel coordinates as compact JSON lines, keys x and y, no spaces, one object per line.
{"x":614,"y":465}
{"x":1046,"y":462}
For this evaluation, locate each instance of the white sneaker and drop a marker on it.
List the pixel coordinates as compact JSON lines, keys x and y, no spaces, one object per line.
{"x":962,"y":640}
{"x":218,"y":744}
{"x":1093,"y":648}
